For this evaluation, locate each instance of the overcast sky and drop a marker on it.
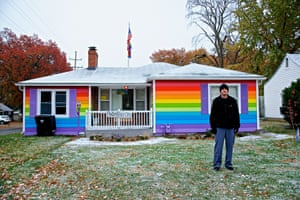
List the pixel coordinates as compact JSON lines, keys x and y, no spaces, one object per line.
{"x":75,"y":25}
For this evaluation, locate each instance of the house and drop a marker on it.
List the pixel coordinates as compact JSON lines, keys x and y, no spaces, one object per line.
{"x":5,"y":110}
{"x":287,"y":72}
{"x":158,"y":98}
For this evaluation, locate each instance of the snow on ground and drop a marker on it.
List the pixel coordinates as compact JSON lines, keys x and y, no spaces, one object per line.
{"x":265,"y":136}
{"x":153,"y":140}
{"x":156,"y":140}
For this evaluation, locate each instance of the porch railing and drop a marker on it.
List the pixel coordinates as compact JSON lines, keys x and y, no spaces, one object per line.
{"x":107,"y":120}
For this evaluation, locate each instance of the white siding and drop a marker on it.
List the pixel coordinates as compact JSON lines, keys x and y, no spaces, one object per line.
{"x":282,"y":78}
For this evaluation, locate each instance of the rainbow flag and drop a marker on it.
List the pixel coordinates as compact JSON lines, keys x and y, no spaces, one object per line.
{"x":129,"y":42}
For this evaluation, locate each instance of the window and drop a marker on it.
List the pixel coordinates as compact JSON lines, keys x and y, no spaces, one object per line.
{"x":214,"y":92}
{"x":140,"y":99}
{"x":104,"y":99}
{"x":45,"y":103}
{"x":60,"y":103}
{"x":53,"y":102}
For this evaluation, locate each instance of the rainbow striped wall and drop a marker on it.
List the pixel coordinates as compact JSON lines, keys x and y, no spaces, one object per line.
{"x":182,"y":106}
{"x":71,"y":125}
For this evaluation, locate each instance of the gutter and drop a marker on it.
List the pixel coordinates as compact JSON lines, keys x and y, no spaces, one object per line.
{"x":261,"y":78}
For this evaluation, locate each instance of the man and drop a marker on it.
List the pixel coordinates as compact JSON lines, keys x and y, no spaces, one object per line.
{"x":224,"y":122}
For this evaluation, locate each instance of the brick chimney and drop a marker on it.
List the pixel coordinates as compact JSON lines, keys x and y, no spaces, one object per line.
{"x":93,"y":58}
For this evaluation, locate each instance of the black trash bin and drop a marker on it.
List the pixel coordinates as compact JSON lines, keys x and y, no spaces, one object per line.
{"x":45,"y":125}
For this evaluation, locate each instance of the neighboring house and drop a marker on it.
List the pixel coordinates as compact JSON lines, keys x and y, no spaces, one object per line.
{"x":287,"y":72}
{"x":159,"y":98}
{"x":5,"y":110}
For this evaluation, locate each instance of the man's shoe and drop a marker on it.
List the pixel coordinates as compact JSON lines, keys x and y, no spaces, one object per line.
{"x":216,"y":168}
{"x":229,"y":168}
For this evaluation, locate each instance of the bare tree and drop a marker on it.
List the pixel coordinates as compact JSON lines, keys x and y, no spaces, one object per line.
{"x":216,"y":19}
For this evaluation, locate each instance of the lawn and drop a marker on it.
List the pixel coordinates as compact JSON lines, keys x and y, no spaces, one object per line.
{"x":50,"y":168}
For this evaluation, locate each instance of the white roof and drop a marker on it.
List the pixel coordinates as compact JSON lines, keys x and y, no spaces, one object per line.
{"x":138,"y":75}
{"x":204,"y":72}
{"x":294,"y":58}
{"x":4,"y":107}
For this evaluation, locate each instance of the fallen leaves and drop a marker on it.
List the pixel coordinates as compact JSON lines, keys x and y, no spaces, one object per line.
{"x":182,"y":170}
{"x":22,"y":190}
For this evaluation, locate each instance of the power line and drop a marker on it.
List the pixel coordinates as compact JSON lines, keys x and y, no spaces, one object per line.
{"x":39,"y":17}
{"x":75,"y":61}
{"x":27,"y":17}
{"x":12,"y":22}
{"x":34,"y":9}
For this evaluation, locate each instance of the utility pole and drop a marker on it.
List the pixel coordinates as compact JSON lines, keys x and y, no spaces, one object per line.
{"x":75,"y":61}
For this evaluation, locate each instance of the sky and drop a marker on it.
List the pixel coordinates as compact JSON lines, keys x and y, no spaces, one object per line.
{"x":76,"y":25}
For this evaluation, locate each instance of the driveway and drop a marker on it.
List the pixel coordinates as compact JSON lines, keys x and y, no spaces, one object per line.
{"x":13,"y":127}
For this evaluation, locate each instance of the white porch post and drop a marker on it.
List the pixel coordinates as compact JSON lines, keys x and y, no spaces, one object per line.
{"x":154,"y":105}
{"x":90,"y":97}
{"x":257,"y":105}
{"x":88,"y":116}
{"x":24,"y":109}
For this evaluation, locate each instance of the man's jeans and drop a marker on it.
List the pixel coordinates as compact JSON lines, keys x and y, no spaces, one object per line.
{"x":228,"y":135}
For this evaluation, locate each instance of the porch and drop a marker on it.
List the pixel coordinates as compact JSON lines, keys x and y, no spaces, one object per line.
{"x":120,"y":122}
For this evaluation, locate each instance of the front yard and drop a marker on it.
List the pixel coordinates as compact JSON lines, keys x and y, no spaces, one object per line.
{"x":51,"y":168}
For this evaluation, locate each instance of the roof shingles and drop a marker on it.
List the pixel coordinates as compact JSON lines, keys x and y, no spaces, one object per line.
{"x":139,"y":75}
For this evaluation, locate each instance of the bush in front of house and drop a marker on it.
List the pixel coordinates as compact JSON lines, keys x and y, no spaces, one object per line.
{"x":291,"y":104}
{"x":119,"y":138}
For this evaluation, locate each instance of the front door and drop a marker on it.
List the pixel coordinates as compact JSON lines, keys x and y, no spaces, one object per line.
{"x":127,"y":100}
{"x":122,"y":99}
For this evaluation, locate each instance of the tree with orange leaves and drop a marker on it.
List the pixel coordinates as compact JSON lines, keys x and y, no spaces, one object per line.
{"x":173,"y":56}
{"x":181,"y":57}
{"x":23,"y":58}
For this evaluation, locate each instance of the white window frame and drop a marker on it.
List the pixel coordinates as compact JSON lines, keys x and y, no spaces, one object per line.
{"x":53,"y":101}
{"x":137,"y":100}
{"x":217,"y":85}
{"x":109,"y":100}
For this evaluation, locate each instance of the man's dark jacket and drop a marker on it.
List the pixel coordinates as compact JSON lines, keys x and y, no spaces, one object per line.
{"x":224,"y":113}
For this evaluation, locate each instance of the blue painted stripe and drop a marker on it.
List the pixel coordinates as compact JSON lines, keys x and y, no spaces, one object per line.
{"x":182,"y":122}
{"x":181,"y":118}
{"x":60,"y":122}
{"x":173,"y":115}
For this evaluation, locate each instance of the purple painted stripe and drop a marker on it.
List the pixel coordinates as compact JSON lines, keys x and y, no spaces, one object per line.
{"x":70,"y":130}
{"x":72,"y":100}
{"x":244,"y":98}
{"x":173,"y":128}
{"x":248,"y":129}
{"x":204,"y":98}
{"x":59,"y":131}
{"x":192,"y":131}
{"x":175,"y":134}
{"x":33,"y":102}
{"x":29,"y":130}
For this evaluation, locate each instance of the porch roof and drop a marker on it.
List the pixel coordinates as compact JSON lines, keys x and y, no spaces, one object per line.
{"x":110,"y":76}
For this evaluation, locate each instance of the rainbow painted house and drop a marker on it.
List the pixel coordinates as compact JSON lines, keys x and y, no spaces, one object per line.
{"x":159,"y":98}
